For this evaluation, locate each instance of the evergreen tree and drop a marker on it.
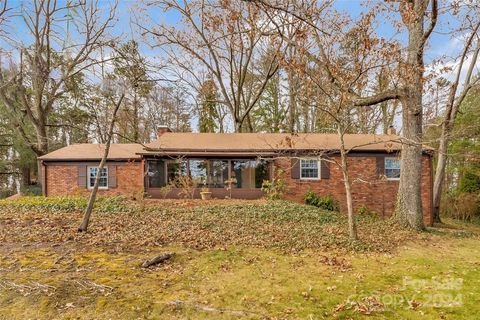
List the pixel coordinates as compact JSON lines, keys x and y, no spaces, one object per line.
{"x":208,"y":114}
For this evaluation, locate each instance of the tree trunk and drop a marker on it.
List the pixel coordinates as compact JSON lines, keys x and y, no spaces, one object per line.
{"x":42,"y":146}
{"x":136,"y":129}
{"x":249,"y":123}
{"x":25,"y":176}
{"x":448,"y":123}
{"x":352,"y":226}
{"x":42,"y":139}
{"x":238,"y":125}
{"x":93,"y":195}
{"x":292,"y":101}
{"x":408,"y":210}
{"x":439,"y":177}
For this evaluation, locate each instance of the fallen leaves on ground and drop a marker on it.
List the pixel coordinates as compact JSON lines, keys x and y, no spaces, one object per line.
{"x":270,"y":224}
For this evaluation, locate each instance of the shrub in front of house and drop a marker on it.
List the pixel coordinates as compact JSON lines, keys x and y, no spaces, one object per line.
{"x":364,"y":211}
{"x":327,"y":202}
{"x":31,"y":190}
{"x":106,"y":204}
{"x":277,"y":188}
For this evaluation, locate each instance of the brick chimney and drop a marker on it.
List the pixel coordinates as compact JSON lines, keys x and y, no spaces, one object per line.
{"x":162,"y":129}
{"x":391,"y":130}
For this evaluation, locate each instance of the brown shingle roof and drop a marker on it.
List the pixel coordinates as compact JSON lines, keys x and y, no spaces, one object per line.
{"x":236,"y":142}
{"x":89,"y":151}
{"x":232,"y":143}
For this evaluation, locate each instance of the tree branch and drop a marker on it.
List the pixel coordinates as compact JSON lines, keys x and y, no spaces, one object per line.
{"x":381,"y":97}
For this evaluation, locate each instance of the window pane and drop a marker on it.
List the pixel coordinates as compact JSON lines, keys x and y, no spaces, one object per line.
{"x":392,"y":168}
{"x":261,"y":173}
{"x":156,"y":173}
{"x":218,"y":173}
{"x":309,"y":173}
{"x":249,"y":174}
{"x":198,"y":171}
{"x":309,"y":168}
{"x":103,"y":183}
{"x":176,"y":169}
{"x":392,"y":173}
{"x":391,"y":163}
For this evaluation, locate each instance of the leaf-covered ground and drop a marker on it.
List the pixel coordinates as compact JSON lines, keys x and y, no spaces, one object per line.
{"x":193,"y":224}
{"x":234,"y":260}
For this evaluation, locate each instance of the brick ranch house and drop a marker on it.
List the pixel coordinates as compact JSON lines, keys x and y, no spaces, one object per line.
{"x":308,"y":161}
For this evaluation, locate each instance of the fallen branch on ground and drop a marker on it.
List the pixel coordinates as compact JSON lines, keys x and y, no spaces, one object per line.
{"x":158,"y":259}
{"x":178,"y":303}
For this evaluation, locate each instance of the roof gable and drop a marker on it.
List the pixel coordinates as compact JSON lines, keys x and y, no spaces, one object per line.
{"x":90,"y":151}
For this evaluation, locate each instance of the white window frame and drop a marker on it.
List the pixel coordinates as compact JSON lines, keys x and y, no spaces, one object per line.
{"x":319,"y":176}
{"x":385,"y":168}
{"x":88,"y":177}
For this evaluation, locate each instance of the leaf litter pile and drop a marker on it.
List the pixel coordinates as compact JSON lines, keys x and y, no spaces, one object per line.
{"x":192,"y":223}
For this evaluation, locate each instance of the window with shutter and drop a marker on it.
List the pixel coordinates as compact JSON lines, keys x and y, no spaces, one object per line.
{"x":92,"y":175}
{"x":310,"y":169}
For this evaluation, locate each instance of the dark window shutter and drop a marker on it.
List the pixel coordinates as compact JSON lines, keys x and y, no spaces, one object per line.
{"x":112,"y":176}
{"x":146,"y":182}
{"x":380,"y":166}
{"x":295,"y":165}
{"x":82,"y":176}
{"x":325,"y":169}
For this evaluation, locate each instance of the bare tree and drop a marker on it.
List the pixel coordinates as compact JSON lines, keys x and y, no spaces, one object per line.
{"x":414,"y":13}
{"x":93,"y":194}
{"x":420,"y":18}
{"x":48,"y":67}
{"x":3,"y":10}
{"x":455,"y":98}
{"x":342,"y":55}
{"x":222,"y":39}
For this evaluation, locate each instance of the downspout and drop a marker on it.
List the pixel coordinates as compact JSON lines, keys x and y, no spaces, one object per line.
{"x":43,"y":178}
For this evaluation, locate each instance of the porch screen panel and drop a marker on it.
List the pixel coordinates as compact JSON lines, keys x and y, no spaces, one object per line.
{"x":156,"y":173}
{"x":249,"y":174}
{"x":176,"y":169}
{"x":218,"y":173}
{"x":198,"y":171}
{"x":261,"y":172}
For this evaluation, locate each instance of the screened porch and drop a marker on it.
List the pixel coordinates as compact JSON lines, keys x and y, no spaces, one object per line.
{"x":238,"y":178}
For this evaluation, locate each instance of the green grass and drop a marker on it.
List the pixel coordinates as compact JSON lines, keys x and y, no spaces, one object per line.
{"x":234,"y":260}
{"x":263,"y":282}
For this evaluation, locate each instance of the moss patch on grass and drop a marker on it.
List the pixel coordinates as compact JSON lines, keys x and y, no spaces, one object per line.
{"x":243,"y":282}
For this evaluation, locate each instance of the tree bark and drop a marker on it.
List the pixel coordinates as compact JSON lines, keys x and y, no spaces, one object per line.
{"x":136,"y":129}
{"x":93,"y":195}
{"x":352,"y":225}
{"x":158,"y":259}
{"x":25,"y":176}
{"x":292,"y":100}
{"x":408,"y":210}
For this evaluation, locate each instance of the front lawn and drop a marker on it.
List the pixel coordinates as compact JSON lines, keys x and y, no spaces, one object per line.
{"x":234,"y":259}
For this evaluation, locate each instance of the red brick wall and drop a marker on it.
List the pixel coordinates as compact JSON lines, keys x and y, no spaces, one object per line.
{"x":367,"y":188}
{"x":62,"y":179}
